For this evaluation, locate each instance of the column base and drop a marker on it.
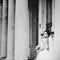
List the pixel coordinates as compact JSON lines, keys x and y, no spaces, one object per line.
{"x":9,"y":59}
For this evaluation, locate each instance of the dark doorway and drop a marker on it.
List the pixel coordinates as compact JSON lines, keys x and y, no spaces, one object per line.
{"x":33,"y":26}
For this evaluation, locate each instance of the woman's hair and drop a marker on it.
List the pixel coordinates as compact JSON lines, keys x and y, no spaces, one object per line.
{"x":48,"y":32}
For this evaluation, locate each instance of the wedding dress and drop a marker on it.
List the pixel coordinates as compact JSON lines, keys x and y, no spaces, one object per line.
{"x":45,"y":54}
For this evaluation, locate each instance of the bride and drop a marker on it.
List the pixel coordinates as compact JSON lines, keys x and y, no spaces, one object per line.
{"x":45,"y":50}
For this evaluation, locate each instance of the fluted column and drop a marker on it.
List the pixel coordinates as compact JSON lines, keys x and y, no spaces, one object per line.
{"x":4,"y":29}
{"x":57,"y":30}
{"x":21,"y":30}
{"x":11,"y":29}
{"x":40,"y":21}
{"x":53,"y":15}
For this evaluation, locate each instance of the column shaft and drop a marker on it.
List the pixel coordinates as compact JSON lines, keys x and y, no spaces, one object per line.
{"x":40,"y":22}
{"x":11,"y":27}
{"x":4,"y":30}
{"x":21,"y":30}
{"x":53,"y":15}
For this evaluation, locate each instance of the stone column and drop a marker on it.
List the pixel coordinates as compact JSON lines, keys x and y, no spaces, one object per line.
{"x":11,"y":29}
{"x":21,"y":30}
{"x":57,"y":31}
{"x":40,"y":21}
{"x":4,"y":29}
{"x":43,"y":15}
{"x":53,"y":15}
{"x":53,"y":21}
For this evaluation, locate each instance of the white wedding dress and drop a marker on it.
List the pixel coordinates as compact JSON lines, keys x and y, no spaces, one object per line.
{"x":45,"y":54}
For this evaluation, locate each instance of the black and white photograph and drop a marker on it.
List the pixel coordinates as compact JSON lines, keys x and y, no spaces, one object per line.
{"x":29,"y":29}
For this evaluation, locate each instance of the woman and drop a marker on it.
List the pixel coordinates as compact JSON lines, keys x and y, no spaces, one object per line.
{"x":44,"y":41}
{"x":45,"y":52}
